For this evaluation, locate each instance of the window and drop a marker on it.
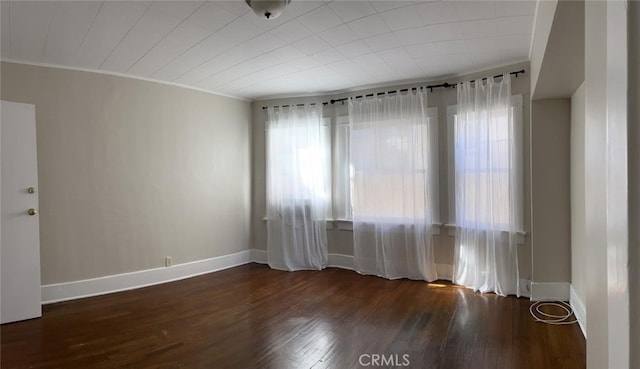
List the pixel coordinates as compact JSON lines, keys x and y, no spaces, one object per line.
{"x":357,"y":165}
{"x":299,"y":167}
{"x":492,"y":176}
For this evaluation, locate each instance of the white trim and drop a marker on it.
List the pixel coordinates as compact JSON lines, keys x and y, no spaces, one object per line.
{"x":259,"y":256}
{"x":556,"y":291}
{"x":578,"y":310}
{"x":123,"y":75}
{"x":127,"y":281}
{"x":341,"y":261}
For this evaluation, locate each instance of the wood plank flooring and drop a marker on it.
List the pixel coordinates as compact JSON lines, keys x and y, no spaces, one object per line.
{"x":255,"y":317}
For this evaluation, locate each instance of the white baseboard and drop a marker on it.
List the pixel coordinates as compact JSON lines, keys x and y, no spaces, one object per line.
{"x":127,"y":281}
{"x":341,"y":261}
{"x":578,"y":310}
{"x":445,"y":271}
{"x":557,"y":291}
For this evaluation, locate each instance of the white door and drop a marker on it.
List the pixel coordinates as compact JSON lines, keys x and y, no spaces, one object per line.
{"x":20,"y":296}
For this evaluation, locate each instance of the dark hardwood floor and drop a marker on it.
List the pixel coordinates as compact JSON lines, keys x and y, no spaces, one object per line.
{"x":255,"y":317}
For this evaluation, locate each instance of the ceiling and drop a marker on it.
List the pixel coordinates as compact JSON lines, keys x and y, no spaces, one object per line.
{"x":314,"y":47}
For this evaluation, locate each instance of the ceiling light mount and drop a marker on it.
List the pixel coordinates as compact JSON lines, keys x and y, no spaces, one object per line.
{"x":268,"y":9}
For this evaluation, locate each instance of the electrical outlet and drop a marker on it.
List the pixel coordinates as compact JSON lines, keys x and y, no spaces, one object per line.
{"x":167,"y":261}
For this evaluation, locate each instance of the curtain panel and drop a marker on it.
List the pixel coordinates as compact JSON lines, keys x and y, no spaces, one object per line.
{"x":394,"y":185}
{"x":298,"y":187}
{"x":488,"y":187}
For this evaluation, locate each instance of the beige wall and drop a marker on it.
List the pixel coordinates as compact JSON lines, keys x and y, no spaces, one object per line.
{"x":578,"y":199}
{"x":341,"y":241}
{"x":551,"y":230}
{"x":133,"y":171}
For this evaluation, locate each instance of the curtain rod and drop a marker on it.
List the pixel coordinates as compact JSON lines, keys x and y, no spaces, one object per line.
{"x":430,"y":87}
{"x":286,"y":106}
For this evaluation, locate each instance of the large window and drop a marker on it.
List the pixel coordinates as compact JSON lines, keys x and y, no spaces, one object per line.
{"x":357,"y":165}
{"x":490,"y":163}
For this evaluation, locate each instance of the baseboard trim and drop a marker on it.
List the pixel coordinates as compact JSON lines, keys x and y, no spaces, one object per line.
{"x":127,"y":281}
{"x":556,"y":291}
{"x":578,"y":310}
{"x":445,"y":271}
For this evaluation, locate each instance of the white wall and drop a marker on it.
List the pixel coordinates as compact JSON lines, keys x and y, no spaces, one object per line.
{"x":633,"y":21}
{"x":595,"y":188}
{"x":578,"y":199}
{"x":132,"y":171}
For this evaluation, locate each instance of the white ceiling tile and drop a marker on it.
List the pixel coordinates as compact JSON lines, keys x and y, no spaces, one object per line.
{"x":29,"y":27}
{"x":70,"y":23}
{"x":291,"y":31}
{"x":369,"y":26}
{"x":111,"y":24}
{"x":520,"y":25}
{"x":514,"y":42}
{"x":367,"y":59}
{"x":212,"y":17}
{"x":298,"y":8}
{"x":339,"y":35}
{"x":486,"y":59}
{"x":514,"y":55}
{"x":176,"y":43}
{"x":478,"y":9}
{"x":412,"y":36}
{"x":384,"y":5}
{"x":236,"y":7}
{"x":382,"y":42}
{"x":217,"y":64}
{"x":5,"y":29}
{"x":394,"y":54}
{"x":353,"y":49}
{"x":149,"y":30}
{"x":286,"y":53}
{"x":350,"y":10}
{"x":443,"y":32}
{"x":311,"y":45}
{"x":402,"y":18}
{"x":480,"y":28}
{"x":197,"y":55}
{"x":508,"y":8}
{"x":437,"y":12}
{"x":263,"y":43}
{"x":177,"y":9}
{"x":451,"y":47}
{"x":484,"y":45}
{"x":421,"y":50}
{"x":328,"y":56}
{"x":320,"y":19}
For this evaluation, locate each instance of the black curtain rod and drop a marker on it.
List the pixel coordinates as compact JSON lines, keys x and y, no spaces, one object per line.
{"x":430,"y":87}
{"x":286,"y":106}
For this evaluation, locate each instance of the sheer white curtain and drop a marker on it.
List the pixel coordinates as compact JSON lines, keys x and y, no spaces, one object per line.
{"x":394,"y":189}
{"x":298,"y":187}
{"x":488,"y":187}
